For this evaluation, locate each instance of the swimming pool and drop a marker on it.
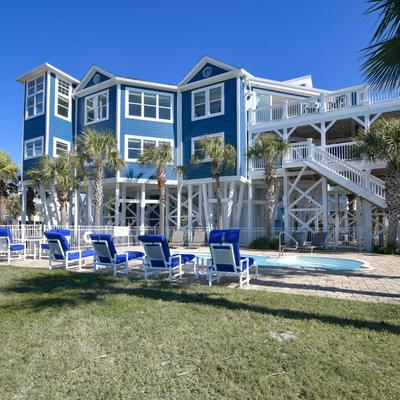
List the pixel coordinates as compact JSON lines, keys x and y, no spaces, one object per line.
{"x":328,"y":263}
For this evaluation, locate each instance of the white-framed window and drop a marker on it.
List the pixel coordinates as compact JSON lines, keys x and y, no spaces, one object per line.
{"x":208,"y":102}
{"x":96,"y":107}
{"x":33,"y":148}
{"x":63,"y":99}
{"x":60,"y":146}
{"x":198,"y":151}
{"x":34,"y":97}
{"x":149,"y":105}
{"x":134,"y":145}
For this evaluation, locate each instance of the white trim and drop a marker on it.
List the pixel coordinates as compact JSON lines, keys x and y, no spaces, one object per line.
{"x":195,"y":138}
{"x":55,"y":140}
{"x":238,"y":136}
{"x":44,"y":96}
{"x":205,"y":60}
{"x":65,"y":97}
{"x":142,"y":139}
{"x":157,"y":94}
{"x":206,"y":91}
{"x":41,"y":69}
{"x":47,"y":127}
{"x":95,"y":97}
{"x":41,"y":138}
{"x":118,"y":123}
{"x":88,"y":76}
{"x":213,"y":79}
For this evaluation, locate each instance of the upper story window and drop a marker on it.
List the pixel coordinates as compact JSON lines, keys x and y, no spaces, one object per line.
{"x":134,"y":145}
{"x":208,"y":102}
{"x":149,"y":105}
{"x":63,"y":99}
{"x":198,"y":150}
{"x":60,"y":147}
{"x":96,"y":107}
{"x":33,"y":148}
{"x":34,"y":97}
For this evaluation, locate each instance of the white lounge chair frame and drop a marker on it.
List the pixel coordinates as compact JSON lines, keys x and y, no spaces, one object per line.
{"x":56,"y":248}
{"x":5,"y":249}
{"x":101,"y":249}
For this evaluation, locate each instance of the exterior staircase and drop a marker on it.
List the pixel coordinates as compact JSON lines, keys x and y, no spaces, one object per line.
{"x":338,"y":171}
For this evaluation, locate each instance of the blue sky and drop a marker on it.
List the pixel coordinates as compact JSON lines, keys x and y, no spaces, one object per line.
{"x":162,"y":40}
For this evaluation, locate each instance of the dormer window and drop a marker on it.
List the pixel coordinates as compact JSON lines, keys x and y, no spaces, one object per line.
{"x":96,"y":108}
{"x":208,"y":102}
{"x":63,"y":99}
{"x":34,"y":97}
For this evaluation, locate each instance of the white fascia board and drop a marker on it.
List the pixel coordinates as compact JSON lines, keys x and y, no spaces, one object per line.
{"x":282,"y":86}
{"x":147,"y":84}
{"x":43,"y":68}
{"x":172,"y":182}
{"x":212,"y":80}
{"x":93,"y":69}
{"x":200,"y":65}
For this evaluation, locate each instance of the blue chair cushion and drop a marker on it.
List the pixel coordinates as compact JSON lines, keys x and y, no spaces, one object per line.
{"x":157,"y":239}
{"x":76,"y":254}
{"x":58,"y":236}
{"x":109,"y":239}
{"x":132,"y":255}
{"x":44,"y":246}
{"x":227,"y":236}
{"x":7,"y":233}
{"x":17,"y":247}
{"x":184,"y":257}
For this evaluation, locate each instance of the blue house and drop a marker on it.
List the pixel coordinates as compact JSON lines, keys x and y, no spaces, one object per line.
{"x":314,"y":185}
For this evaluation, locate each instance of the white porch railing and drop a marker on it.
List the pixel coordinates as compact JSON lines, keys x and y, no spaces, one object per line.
{"x":349,"y":98}
{"x":344,"y":151}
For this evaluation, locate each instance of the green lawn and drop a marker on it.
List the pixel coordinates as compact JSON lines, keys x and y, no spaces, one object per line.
{"x":68,"y":336}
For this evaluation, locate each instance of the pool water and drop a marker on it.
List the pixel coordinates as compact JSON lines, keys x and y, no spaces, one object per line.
{"x":328,"y":263}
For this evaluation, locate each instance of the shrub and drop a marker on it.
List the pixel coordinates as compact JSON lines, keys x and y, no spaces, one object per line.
{"x":392,"y":250}
{"x":261,"y":243}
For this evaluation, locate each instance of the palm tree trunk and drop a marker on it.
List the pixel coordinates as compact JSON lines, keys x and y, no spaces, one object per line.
{"x":3,"y":207}
{"x":62,"y":197}
{"x":98,"y":177}
{"x":218,"y":195}
{"x":392,"y":184}
{"x":161,"y":187}
{"x":271,"y":198}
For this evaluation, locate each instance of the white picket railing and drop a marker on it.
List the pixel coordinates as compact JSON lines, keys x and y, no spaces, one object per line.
{"x":349,"y":98}
{"x":344,"y":151}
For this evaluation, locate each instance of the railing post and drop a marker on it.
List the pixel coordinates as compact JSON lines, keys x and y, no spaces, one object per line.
{"x":322,"y":100}
{"x":285,"y":110}
{"x":366,"y":92}
{"x":310,"y":148}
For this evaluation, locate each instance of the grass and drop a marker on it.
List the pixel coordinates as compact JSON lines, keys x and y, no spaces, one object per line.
{"x":79,"y":336}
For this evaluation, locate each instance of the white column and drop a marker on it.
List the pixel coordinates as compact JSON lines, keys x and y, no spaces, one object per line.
{"x":178,"y":205}
{"x":76,"y":208}
{"x":23,"y":204}
{"x":337,"y":218}
{"x":142,"y":208}
{"x":323,"y":135}
{"x":286,"y":202}
{"x":123,"y":213}
{"x":367,"y":225}
{"x":249,"y":211}
{"x":167,"y":210}
{"x":190,"y":211}
{"x":359,"y":221}
{"x":200,"y":208}
{"x":89,"y":204}
{"x":325,"y":212}
{"x":116,"y":205}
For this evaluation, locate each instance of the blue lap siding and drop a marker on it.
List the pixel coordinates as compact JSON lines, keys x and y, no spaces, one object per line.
{"x":102,"y":78}
{"x":138,"y":127}
{"x":214,"y":71}
{"x":226,"y":123}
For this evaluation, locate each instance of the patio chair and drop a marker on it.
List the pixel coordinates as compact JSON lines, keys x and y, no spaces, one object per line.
{"x":106,"y":254}
{"x":8,"y":246}
{"x":318,"y":241}
{"x":44,"y":247}
{"x":159,"y":258}
{"x":60,"y":252}
{"x":176,"y":239}
{"x":199,"y":240}
{"x":226,"y":259}
{"x":296,"y":240}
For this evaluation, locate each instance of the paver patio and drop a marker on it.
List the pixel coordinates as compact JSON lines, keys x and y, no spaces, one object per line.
{"x":379,"y":284}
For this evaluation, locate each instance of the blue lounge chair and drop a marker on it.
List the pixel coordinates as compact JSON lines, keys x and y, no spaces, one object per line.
{"x":44,"y":247}
{"x":226,"y":259}
{"x":60,"y":252}
{"x":8,"y":247}
{"x":159,"y":258}
{"x":107,"y":256}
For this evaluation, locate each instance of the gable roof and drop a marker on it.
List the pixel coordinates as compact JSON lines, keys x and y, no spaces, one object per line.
{"x":93,"y":70}
{"x":42,"y":68}
{"x":205,"y":60}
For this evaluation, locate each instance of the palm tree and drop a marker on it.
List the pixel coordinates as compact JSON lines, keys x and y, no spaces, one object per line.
{"x":159,"y":157}
{"x":382,"y":142}
{"x":381,"y":64}
{"x":222,"y":156}
{"x":99,"y":149}
{"x":8,"y":172}
{"x":14,"y":207}
{"x":268,"y":148}
{"x":59,"y":172}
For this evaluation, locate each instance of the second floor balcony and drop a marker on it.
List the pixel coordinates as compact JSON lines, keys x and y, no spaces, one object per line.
{"x":327,"y":105}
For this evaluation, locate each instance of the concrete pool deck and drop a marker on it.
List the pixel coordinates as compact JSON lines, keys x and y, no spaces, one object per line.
{"x":380,"y":284}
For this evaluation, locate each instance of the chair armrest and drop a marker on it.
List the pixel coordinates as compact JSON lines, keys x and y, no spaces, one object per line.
{"x":244,"y":261}
{"x":175,"y":256}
